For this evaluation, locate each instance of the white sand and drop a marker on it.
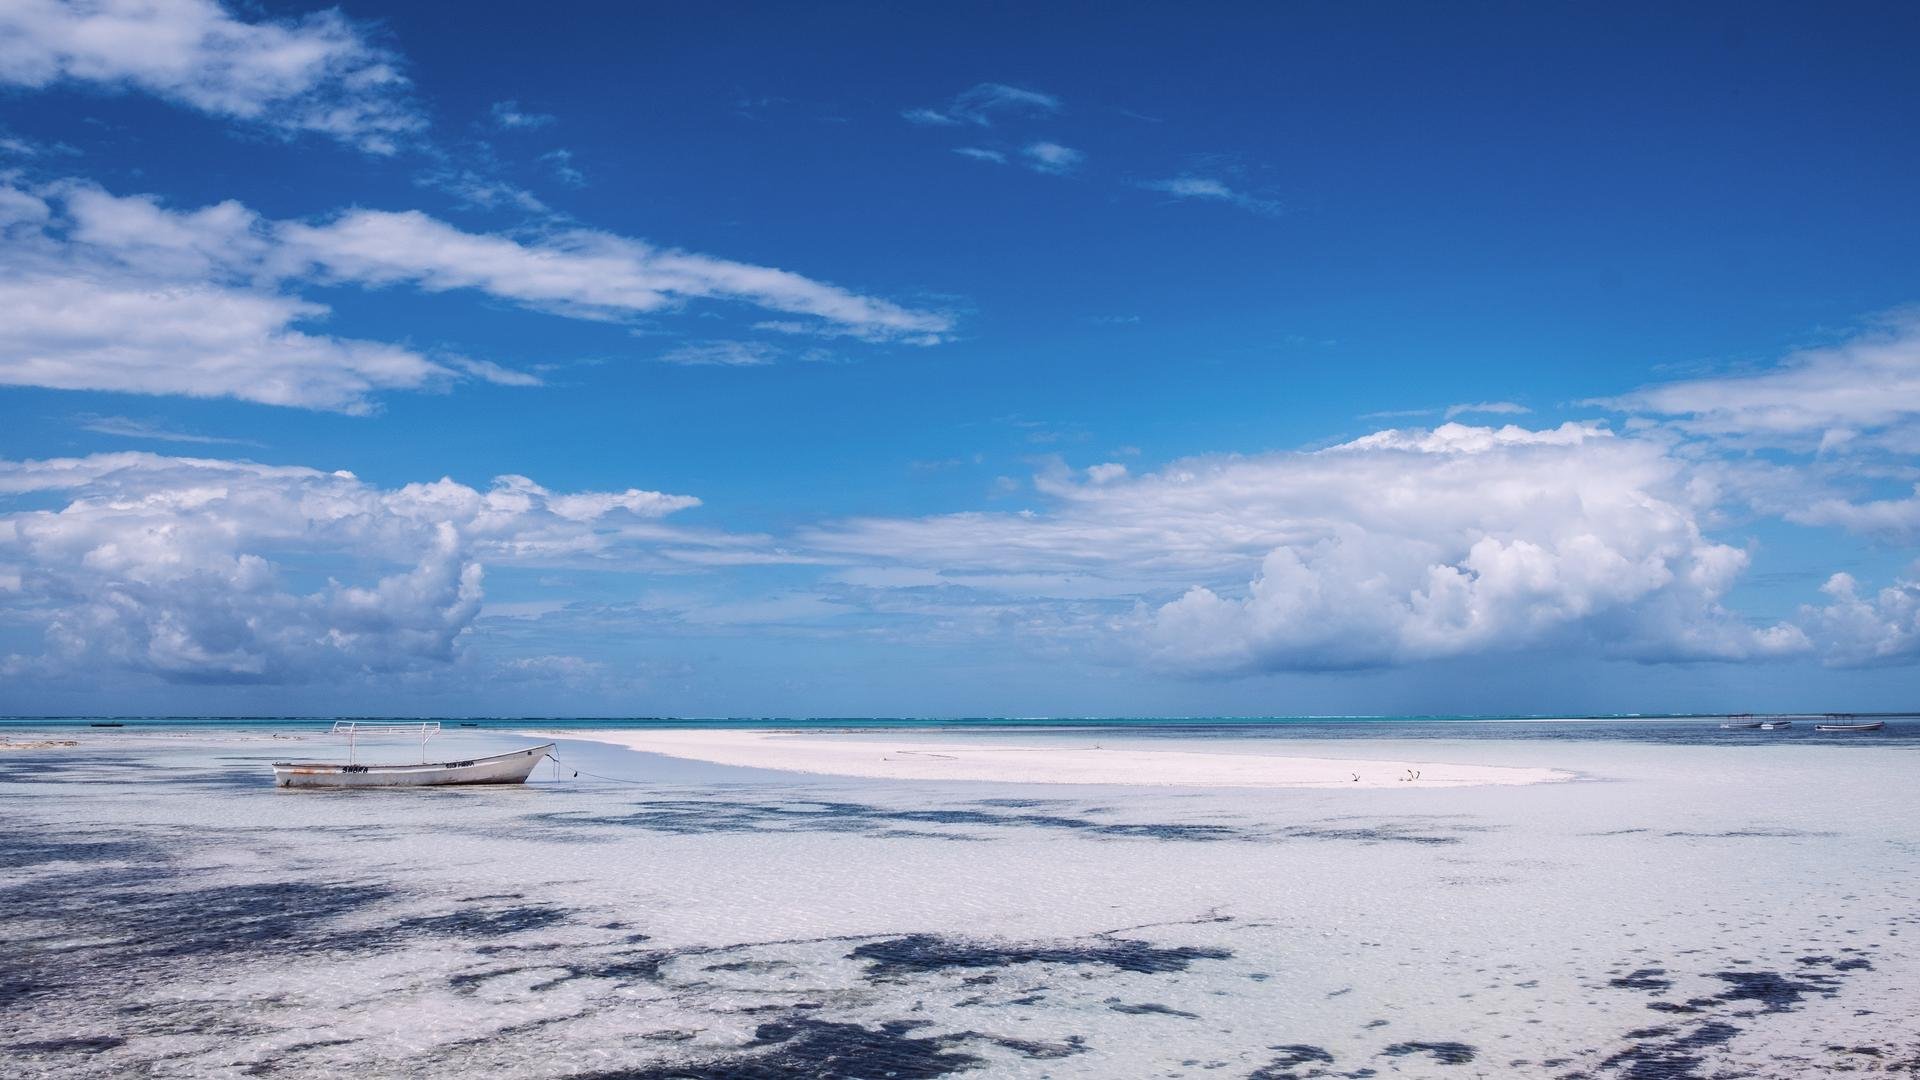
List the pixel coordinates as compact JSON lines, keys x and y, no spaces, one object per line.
{"x":912,"y":756}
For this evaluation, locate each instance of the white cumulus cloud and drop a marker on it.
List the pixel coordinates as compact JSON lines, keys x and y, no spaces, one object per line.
{"x":199,"y":570}
{"x":1398,"y":547}
{"x":1864,"y":631}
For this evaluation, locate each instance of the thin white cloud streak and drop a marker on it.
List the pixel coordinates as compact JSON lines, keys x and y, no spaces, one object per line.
{"x":564,"y":170}
{"x":476,"y":188}
{"x":129,"y":428}
{"x":318,"y":73}
{"x":509,"y":116}
{"x":172,"y":566}
{"x":580,"y":273}
{"x":981,"y":154}
{"x":721,"y":354}
{"x":982,"y":104}
{"x":1489,"y":408}
{"x":1207,"y":189}
{"x":1051,"y":158}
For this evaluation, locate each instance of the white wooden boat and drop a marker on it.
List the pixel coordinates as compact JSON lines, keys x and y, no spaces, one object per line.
{"x":1775,"y":725}
{"x":1741,"y":722}
{"x":1873,"y":725}
{"x":509,"y":768}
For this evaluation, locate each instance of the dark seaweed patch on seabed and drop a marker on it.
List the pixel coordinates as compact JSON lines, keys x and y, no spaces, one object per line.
{"x":1750,"y":834}
{"x":1675,"y":1053}
{"x":1388,"y":833}
{"x":701,"y":816}
{"x":90,"y":1044}
{"x":1292,"y":1055}
{"x":19,"y":850}
{"x":624,"y":968}
{"x":1446,"y":1053}
{"x":819,"y":1050}
{"x":1149,"y":1008}
{"x":931,"y":952}
{"x":486,"y":922}
{"x":83,"y":940}
{"x":1643,"y":979}
{"x":1771,"y":988}
{"x":172,"y":923}
{"x":1673,"y":1059}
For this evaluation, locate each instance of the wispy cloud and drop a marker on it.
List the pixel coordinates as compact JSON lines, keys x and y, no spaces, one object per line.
{"x":1207,"y":189}
{"x":1833,"y":395}
{"x":129,"y":428}
{"x":980,"y":154}
{"x":982,"y":103}
{"x":581,"y":273}
{"x":721,"y":354}
{"x":480,"y":189}
{"x":1495,"y":408}
{"x":928,"y":117}
{"x":1051,"y":157}
{"x":124,"y":294}
{"x":509,"y":116}
{"x":320,"y":73}
{"x":1397,"y":414}
{"x":14,"y":146}
{"x":561,"y":163}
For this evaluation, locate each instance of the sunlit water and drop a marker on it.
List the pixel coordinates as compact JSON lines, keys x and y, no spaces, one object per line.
{"x":1698,"y":904}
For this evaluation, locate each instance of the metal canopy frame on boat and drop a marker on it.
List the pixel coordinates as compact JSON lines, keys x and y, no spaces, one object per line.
{"x":353,"y":729}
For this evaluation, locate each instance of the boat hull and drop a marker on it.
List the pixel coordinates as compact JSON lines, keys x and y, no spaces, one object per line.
{"x":1849,"y":727}
{"x":509,"y":768}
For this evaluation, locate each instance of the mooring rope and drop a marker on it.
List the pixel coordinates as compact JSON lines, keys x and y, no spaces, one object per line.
{"x":555,"y":758}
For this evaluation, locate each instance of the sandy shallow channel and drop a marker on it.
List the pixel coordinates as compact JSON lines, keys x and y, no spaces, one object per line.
{"x":928,"y":756}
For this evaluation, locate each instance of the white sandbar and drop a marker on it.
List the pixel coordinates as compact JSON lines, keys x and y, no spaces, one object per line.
{"x":913,"y":757}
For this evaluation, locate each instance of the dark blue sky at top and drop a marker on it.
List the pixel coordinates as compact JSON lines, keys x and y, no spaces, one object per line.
{"x":1534,"y":203}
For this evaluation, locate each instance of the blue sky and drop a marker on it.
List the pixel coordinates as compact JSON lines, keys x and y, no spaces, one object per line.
{"x":873,"y":360}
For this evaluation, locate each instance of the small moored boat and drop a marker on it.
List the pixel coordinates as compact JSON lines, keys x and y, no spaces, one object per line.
{"x":1775,"y":725}
{"x":1841,"y":722}
{"x":1740,"y":722}
{"x":510,"y":768}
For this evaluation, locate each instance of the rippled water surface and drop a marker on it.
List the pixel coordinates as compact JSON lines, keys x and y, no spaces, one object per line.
{"x":1694,"y":906}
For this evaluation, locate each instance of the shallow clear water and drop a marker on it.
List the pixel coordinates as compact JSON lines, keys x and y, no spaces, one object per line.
{"x":1694,"y":906}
